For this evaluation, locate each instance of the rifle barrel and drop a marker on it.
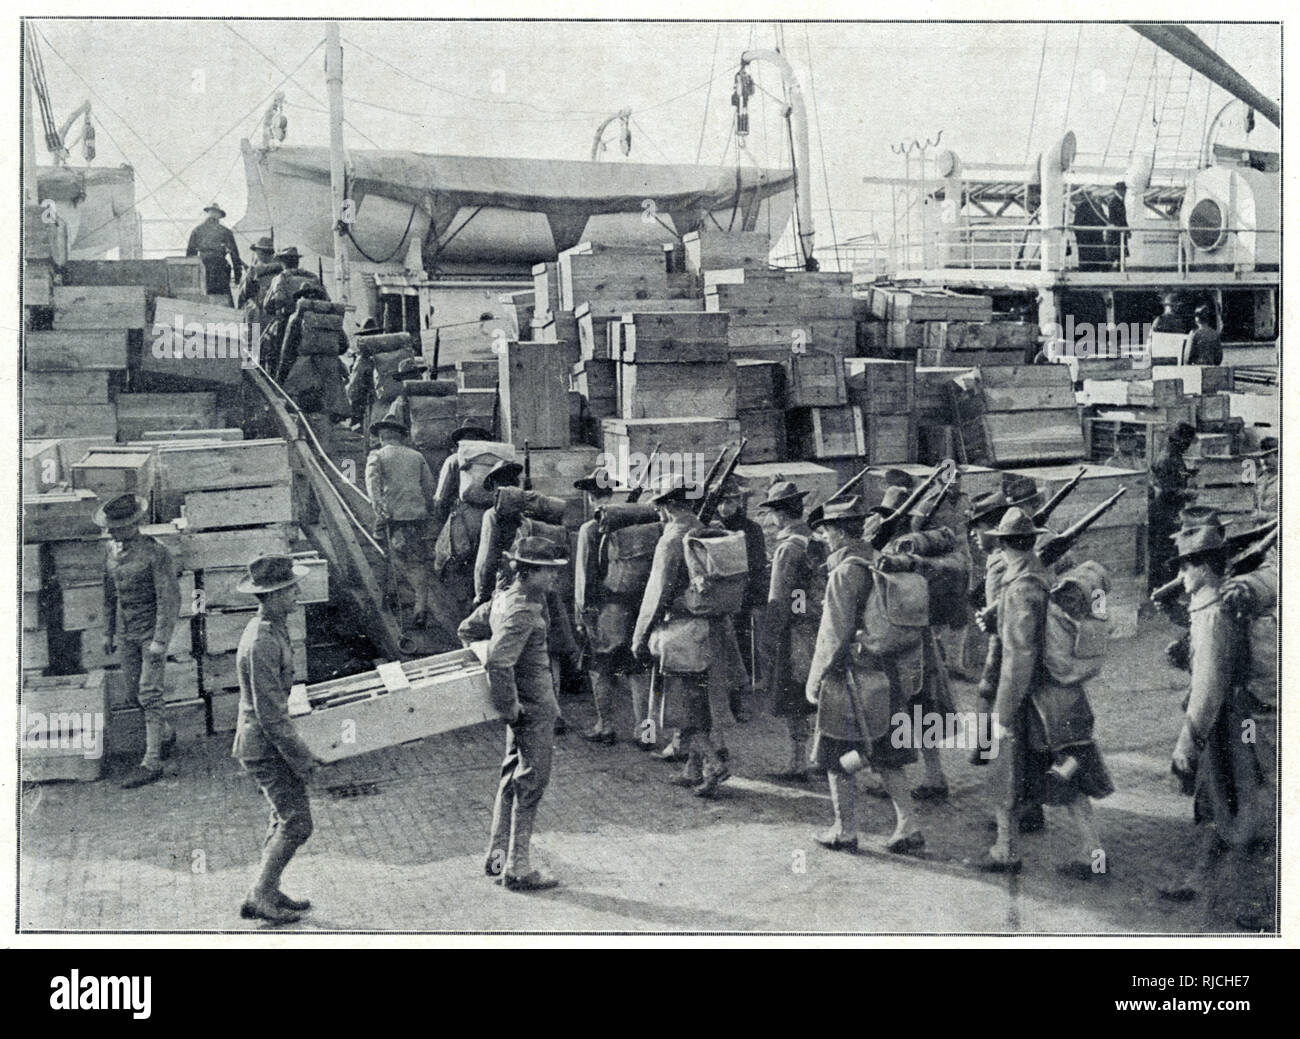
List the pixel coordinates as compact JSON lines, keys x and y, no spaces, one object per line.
{"x":845,"y":489}
{"x":1062,"y":543}
{"x":1045,"y":513}
{"x":886,"y":531}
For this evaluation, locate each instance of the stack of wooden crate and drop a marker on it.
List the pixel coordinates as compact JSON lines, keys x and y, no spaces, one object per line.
{"x":936,"y":419}
{"x":1018,"y":415}
{"x":64,"y":727}
{"x":978,"y":342}
{"x":719,"y":251}
{"x":885,"y":392}
{"x":675,"y":365}
{"x":828,"y":310}
{"x":819,"y":418}
{"x":908,"y":311}
{"x":763,"y":307}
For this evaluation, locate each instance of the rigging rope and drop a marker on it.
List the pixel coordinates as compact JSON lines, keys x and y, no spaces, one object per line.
{"x":1038,"y":85}
{"x":1074,"y":65}
{"x":1137,"y":47}
{"x":713,"y":65}
{"x":347,"y":230}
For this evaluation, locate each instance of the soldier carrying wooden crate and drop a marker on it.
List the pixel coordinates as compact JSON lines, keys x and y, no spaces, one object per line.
{"x":142,"y":600}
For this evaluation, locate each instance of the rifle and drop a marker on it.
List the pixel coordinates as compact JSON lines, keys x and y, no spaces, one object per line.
{"x":1045,"y":513}
{"x":713,"y":495}
{"x":885,"y":532}
{"x":713,"y":469}
{"x":845,"y":489}
{"x":949,"y":479}
{"x":528,"y":468}
{"x":1249,"y":554}
{"x":635,"y":495}
{"x":1050,"y":552}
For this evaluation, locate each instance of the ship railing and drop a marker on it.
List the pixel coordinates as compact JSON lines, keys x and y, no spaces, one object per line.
{"x":1019,"y":247}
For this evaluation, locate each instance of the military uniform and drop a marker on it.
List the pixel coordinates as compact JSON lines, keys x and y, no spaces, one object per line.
{"x":141,"y":603}
{"x":400,"y":485}
{"x":519,"y":673}
{"x":266,"y":744}
{"x":1168,"y":495}
{"x":212,"y":243}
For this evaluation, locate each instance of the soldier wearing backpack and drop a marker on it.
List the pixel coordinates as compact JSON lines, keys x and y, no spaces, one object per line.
{"x":1021,"y":621}
{"x":789,"y":625}
{"x":865,"y":670}
{"x":611,"y":567}
{"x":731,"y":515}
{"x":680,"y":640}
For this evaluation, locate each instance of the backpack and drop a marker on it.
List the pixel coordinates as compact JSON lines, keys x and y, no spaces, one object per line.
{"x":477,"y":458}
{"x":626,"y":556}
{"x":949,"y":604}
{"x":1074,"y":646}
{"x":717,"y":569}
{"x":459,"y":537}
{"x":896,"y":614}
{"x":812,"y":580}
{"x":387,"y":386}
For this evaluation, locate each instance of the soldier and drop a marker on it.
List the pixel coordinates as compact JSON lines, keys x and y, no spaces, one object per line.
{"x":789,"y":625}
{"x":400,"y":486}
{"x":938,"y":548}
{"x":1127,"y":453}
{"x":1205,"y":347}
{"x":687,"y":643}
{"x":448,"y":489}
{"x":212,"y":242}
{"x":519,"y":673}
{"x":253,"y":286}
{"x":266,"y":744}
{"x":858,"y":694}
{"x":142,"y":600}
{"x":1266,"y":479}
{"x":1168,"y":494}
{"x":1021,"y":616}
{"x":604,"y":626}
{"x":731,"y":514}
{"x":496,"y":534}
{"x":1216,"y":756}
{"x":279,"y":302}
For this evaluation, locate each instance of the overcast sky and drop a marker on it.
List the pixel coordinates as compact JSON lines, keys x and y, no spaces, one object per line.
{"x":173,"y":98}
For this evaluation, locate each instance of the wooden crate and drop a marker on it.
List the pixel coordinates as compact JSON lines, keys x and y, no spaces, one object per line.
{"x":43,"y":419}
{"x":67,"y":387}
{"x":695,"y":441}
{"x":765,"y":432}
{"x":433,"y":420}
{"x":395,"y":706}
{"x":222,"y":629}
{"x":38,"y":283}
{"x":85,"y":350}
{"x":64,"y":723}
{"x":975,"y":479}
{"x":815,"y":379}
{"x":238,"y":507}
{"x":1153,"y":393}
{"x":880,"y":386}
{"x":534,"y":381}
{"x":1212,"y":408}
{"x":77,"y":562}
{"x":184,"y":274}
{"x":35,"y":650}
{"x":1194,"y":377}
{"x":42,"y":465}
{"x":834,"y":432}
{"x":760,"y":385}
{"x":895,"y":304}
{"x":477,"y":375}
{"x":593,"y":270}
{"x":655,"y":338}
{"x":220,"y":584}
{"x":904,"y":337}
{"x":198,"y":341}
{"x":889,"y":438}
{"x":476,"y":407}
{"x":237,"y":463}
{"x":711,"y":250}
{"x":110,"y":471}
{"x":594,"y":319}
{"x":60,"y":516}
{"x":200,"y":550}
{"x":677,"y":390}
{"x":139,"y":413}
{"x":597,"y":382}
{"x":81,"y":307}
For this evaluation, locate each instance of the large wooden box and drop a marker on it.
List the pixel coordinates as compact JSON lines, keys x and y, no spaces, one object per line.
{"x":78,"y":307}
{"x":63,"y":725}
{"x":238,"y":507}
{"x":1099,"y":483}
{"x":593,"y":271}
{"x":765,"y":434}
{"x":880,"y":386}
{"x":826,"y":432}
{"x":714,"y":250}
{"x":350,"y":716}
{"x":110,"y":471}
{"x":695,"y":442}
{"x":60,"y":516}
{"x":651,"y":338}
{"x":534,"y":385}
{"x":139,"y":413}
{"x":760,"y":385}
{"x":67,"y":387}
{"x":677,"y":390}
{"x":199,"y":341}
{"x":235,"y":463}
{"x":44,"y":419}
{"x":815,"y":380}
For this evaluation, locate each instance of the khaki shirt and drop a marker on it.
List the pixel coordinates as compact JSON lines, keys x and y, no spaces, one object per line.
{"x":518,"y":660}
{"x":399,"y":483}
{"x":264,"y":663}
{"x":141,"y":588}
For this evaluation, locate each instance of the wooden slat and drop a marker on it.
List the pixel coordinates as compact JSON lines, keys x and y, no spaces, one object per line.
{"x":75,"y":351}
{"x":59,"y":516}
{"x":237,"y":507}
{"x":83,"y":307}
{"x":534,"y":394}
{"x":239,"y":463}
{"x":677,"y":390}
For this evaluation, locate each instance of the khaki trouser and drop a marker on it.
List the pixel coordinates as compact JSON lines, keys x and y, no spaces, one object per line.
{"x":143,"y":676}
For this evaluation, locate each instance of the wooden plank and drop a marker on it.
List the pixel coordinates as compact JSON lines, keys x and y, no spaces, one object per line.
{"x":711,"y":250}
{"x":1027,"y":398}
{"x":38,"y":283}
{"x":149,"y":274}
{"x":534,"y":394}
{"x":760,"y":385}
{"x":202,"y":550}
{"x":1029,"y":437}
{"x":238,"y":463}
{"x":75,"y":351}
{"x":44,"y":419}
{"x":42,"y":465}
{"x":60,"y":516}
{"x":677,"y":390}
{"x":222,"y":629}
{"x":190,"y":436}
{"x":82,"y":307}
{"x":141,"y":412}
{"x":237,"y":507}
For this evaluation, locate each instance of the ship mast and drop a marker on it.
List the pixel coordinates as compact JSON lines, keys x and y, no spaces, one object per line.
{"x":334,"y":83}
